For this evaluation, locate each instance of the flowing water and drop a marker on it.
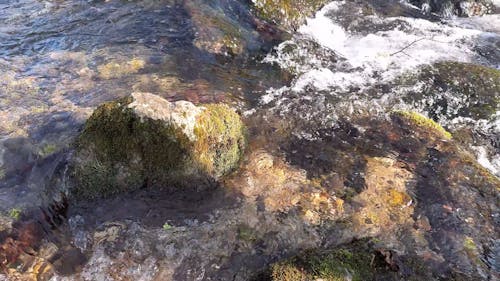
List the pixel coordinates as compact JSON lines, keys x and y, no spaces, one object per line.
{"x":348,"y":61}
{"x":60,"y":59}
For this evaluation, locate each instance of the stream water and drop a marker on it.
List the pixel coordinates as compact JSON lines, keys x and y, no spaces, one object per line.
{"x":60,"y":59}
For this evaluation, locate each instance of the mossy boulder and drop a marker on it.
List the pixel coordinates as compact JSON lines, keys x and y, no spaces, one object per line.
{"x":145,"y":140}
{"x":289,"y":14}
{"x":454,"y":89}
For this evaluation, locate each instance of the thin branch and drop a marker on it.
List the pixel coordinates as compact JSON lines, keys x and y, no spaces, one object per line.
{"x":406,"y":54}
{"x":407,"y":46}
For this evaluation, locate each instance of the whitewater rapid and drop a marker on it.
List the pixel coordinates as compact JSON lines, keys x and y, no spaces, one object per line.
{"x":339,"y":55}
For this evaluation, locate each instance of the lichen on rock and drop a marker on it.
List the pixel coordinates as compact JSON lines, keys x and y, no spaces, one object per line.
{"x":145,"y":140}
{"x":181,"y":114}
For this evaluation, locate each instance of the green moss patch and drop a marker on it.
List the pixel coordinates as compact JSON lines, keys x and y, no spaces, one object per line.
{"x":15,"y":213}
{"x":220,"y":139}
{"x":422,"y":122}
{"x":355,"y":261}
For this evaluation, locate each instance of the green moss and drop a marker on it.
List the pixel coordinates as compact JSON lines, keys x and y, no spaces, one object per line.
{"x":246,"y":233}
{"x":422,"y":122}
{"x":47,"y":150}
{"x":96,"y":179}
{"x":221,"y":139}
{"x":469,"y":244}
{"x":166,"y":226}
{"x":108,"y":131}
{"x":351,"y":262}
{"x":337,"y":265}
{"x":15,"y":213}
{"x":122,"y":152}
{"x":288,"y":13}
{"x":118,"y":151}
{"x":287,"y":271}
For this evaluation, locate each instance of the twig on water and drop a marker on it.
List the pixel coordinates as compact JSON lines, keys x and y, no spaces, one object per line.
{"x":407,"y":46}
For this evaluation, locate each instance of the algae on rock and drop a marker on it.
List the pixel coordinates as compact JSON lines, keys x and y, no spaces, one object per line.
{"x":145,"y":140}
{"x":215,"y":31}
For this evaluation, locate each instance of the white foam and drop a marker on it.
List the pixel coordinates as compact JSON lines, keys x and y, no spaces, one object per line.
{"x":387,"y":52}
{"x":390,"y":52}
{"x":323,"y":30}
{"x":488,"y":23}
{"x":492,"y":163}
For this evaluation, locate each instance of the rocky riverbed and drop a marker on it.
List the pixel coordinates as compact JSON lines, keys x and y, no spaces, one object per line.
{"x":273,"y":140}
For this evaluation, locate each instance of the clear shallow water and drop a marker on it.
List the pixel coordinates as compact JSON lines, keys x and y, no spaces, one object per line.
{"x":60,"y":59}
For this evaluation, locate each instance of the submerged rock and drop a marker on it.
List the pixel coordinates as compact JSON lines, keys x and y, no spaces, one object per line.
{"x":405,"y":182}
{"x":216,"y":32}
{"x":143,"y":140}
{"x":464,"y":97}
{"x":230,"y":28}
{"x":372,"y":198}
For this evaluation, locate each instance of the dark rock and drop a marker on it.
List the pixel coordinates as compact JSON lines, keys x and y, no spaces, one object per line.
{"x":448,"y":8}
